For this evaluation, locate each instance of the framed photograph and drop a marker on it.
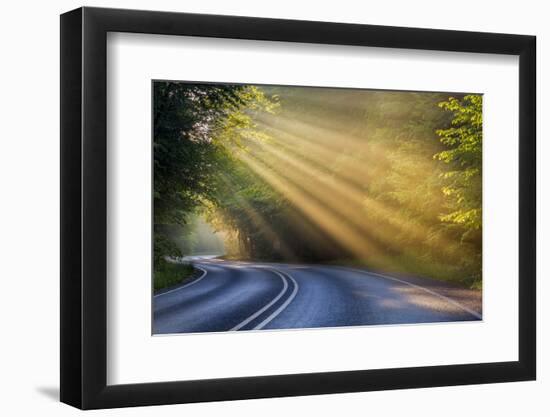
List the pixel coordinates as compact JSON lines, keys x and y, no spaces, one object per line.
{"x":257,"y":208}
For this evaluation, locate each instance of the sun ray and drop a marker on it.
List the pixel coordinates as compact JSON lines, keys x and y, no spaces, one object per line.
{"x":343,"y":198}
{"x":357,"y":242}
{"x":259,"y":221}
{"x":358,"y":170}
{"x":321,"y":144}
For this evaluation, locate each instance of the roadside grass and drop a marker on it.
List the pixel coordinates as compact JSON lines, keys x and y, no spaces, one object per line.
{"x":169,"y":274}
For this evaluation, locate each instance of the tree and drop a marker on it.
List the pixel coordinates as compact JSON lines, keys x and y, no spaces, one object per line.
{"x":194,"y":128}
{"x":463,"y":182}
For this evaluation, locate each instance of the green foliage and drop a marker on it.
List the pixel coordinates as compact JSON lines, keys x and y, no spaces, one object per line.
{"x":195,"y":128}
{"x":168,"y":274}
{"x":463,"y":180}
{"x":186,"y":117}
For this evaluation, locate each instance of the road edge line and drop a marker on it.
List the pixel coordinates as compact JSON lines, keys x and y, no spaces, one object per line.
{"x":204,"y":272}
{"x":450,"y":300}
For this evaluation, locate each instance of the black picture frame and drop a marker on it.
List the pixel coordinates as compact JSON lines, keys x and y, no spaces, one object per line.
{"x":84,"y":207}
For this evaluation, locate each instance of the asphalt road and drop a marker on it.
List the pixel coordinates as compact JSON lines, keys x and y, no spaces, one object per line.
{"x":238,"y":296}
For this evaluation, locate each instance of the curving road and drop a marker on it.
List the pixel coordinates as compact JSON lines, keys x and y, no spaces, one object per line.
{"x":237,"y":296}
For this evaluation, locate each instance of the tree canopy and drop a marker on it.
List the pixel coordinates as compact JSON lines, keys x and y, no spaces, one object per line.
{"x":387,"y":179}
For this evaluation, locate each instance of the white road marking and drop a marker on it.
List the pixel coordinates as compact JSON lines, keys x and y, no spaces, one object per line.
{"x":450,"y":300}
{"x":283,"y":306}
{"x":264,"y":308}
{"x":204,"y":272}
